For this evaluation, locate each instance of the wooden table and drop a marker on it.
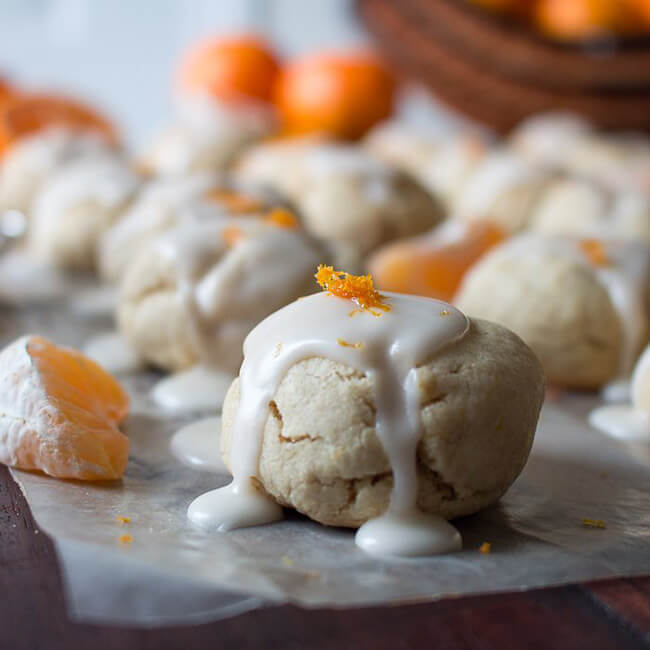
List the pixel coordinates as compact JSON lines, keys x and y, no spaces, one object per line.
{"x":608,"y":614}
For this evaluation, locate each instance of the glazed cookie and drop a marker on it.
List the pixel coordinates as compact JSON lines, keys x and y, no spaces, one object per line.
{"x":503,"y":189}
{"x":169,"y":202}
{"x":619,"y":162}
{"x":193,"y":294}
{"x":441,"y":163}
{"x":30,"y":161}
{"x":321,"y":455}
{"x":76,"y":206}
{"x":207,"y":136}
{"x":571,"y":206}
{"x":345,"y":196}
{"x":581,"y":305}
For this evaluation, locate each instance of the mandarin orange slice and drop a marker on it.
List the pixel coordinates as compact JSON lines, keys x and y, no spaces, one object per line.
{"x":342,"y":95}
{"x":24,"y":115}
{"x":59,"y":412}
{"x":430,"y":266}
{"x":231,"y":68}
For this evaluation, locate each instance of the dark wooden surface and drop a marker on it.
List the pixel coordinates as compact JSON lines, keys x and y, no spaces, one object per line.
{"x":613,"y":614}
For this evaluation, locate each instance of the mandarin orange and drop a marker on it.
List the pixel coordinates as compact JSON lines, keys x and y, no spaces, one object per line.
{"x":24,"y":115}
{"x":59,"y":412}
{"x":232,"y":68}
{"x":433,"y":266}
{"x":342,"y":95}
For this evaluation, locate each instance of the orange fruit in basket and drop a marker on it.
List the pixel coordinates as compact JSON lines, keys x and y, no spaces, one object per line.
{"x":60,"y":412}
{"x":230,"y":68}
{"x":578,"y":19}
{"x":433,"y":266}
{"x":342,"y":95}
{"x":24,"y":115}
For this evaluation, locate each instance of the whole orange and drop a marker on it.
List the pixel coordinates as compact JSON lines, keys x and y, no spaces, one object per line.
{"x":230,"y":68}
{"x":339,"y":94}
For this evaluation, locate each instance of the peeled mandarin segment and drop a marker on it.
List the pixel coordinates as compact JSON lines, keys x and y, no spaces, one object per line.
{"x":59,"y":413}
{"x":231,"y":69}
{"x":426,"y":267}
{"x":25,"y":115}
{"x":342,"y":95}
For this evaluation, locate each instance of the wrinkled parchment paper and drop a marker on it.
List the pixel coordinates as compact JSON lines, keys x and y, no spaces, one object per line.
{"x":172,"y":572}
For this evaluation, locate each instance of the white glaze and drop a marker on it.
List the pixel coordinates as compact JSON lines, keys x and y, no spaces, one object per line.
{"x":201,"y":388}
{"x":113,"y":353}
{"x":197,"y":445}
{"x":326,"y":160}
{"x":629,"y":421}
{"x":158,"y":207}
{"x":31,"y":160}
{"x":497,"y":173}
{"x":392,"y":344}
{"x":24,"y":278}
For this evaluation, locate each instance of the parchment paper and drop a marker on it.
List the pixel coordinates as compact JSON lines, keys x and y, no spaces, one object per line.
{"x":174,"y":573}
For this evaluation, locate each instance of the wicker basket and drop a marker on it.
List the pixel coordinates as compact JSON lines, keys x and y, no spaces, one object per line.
{"x":499,"y":73}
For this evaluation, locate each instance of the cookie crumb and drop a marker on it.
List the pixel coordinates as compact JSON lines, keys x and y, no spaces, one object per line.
{"x":593,"y":523}
{"x":485,"y":548}
{"x":277,"y":349}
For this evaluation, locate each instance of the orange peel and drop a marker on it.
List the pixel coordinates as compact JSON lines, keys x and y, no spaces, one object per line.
{"x":59,"y":412}
{"x":357,"y":288}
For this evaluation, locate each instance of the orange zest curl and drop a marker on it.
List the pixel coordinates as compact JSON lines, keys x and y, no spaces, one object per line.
{"x":357,"y":288}
{"x":345,"y":344}
{"x":594,"y":250}
{"x":282,"y":218}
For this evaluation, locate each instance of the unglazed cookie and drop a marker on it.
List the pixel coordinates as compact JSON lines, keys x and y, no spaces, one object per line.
{"x":76,"y":206}
{"x":572,"y":206}
{"x":321,"y":455}
{"x":30,"y":161}
{"x":207,"y":136}
{"x":581,"y":305}
{"x":168,"y":202}
{"x":193,"y":294}
{"x":502,"y":188}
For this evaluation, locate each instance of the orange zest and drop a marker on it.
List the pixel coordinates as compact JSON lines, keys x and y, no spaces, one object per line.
{"x":234,"y":202}
{"x":485,"y":548}
{"x":232,"y":235}
{"x":593,"y":523}
{"x":357,"y":288}
{"x":25,"y":115}
{"x":60,"y":413}
{"x":282,"y":218}
{"x":125,"y":539}
{"x":345,"y":344}
{"x":595,"y":251}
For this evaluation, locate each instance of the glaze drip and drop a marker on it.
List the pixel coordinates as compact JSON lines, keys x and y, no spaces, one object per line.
{"x":390,"y":348}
